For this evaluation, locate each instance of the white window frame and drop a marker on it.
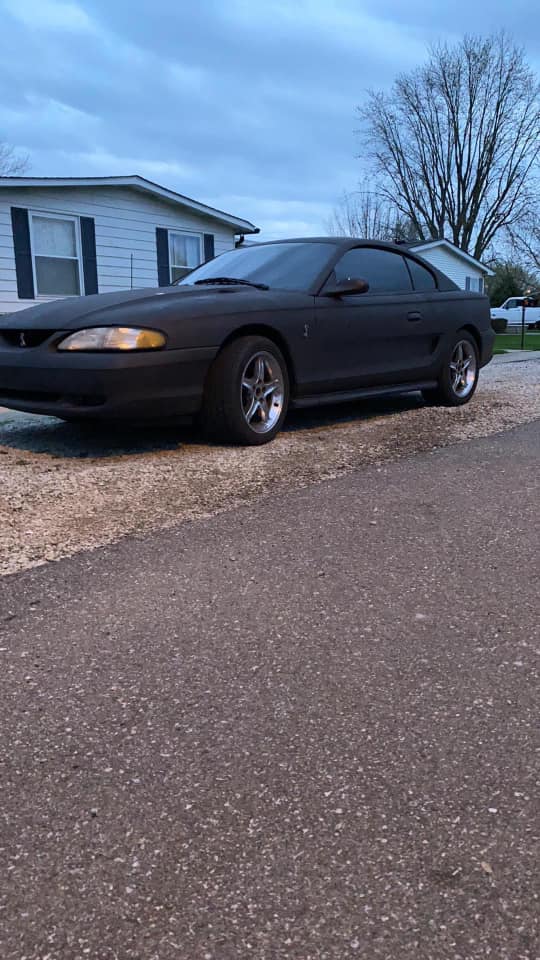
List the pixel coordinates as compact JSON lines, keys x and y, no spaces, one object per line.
{"x":183,"y":233}
{"x":46,"y":214}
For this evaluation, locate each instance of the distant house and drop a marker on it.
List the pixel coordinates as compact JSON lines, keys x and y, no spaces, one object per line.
{"x":62,"y":237}
{"x":468,"y":273}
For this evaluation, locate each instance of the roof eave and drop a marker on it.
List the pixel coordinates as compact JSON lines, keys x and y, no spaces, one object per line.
{"x":136,"y":183}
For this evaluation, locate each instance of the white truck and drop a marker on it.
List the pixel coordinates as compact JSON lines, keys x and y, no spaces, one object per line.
{"x":511,"y":311}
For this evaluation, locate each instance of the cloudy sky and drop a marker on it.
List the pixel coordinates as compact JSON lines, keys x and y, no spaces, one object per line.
{"x":248,"y":105}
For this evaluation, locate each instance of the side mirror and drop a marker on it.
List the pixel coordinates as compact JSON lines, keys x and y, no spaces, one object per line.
{"x":346,"y":287}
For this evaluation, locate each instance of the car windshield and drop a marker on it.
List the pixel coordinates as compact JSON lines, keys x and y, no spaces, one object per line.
{"x":287,"y":266}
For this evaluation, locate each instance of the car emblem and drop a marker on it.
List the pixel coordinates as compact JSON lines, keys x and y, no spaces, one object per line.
{"x":22,"y":340}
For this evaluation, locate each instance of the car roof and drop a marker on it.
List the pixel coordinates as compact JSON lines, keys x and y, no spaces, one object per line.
{"x":348,"y":243}
{"x":337,"y":241}
{"x":345,"y":243}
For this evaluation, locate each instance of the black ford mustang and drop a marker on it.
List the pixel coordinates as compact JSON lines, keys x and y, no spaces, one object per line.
{"x":252,"y":333}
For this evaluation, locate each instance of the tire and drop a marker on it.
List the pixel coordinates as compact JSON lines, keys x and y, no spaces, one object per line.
{"x":458,"y":377}
{"x":238,"y":406}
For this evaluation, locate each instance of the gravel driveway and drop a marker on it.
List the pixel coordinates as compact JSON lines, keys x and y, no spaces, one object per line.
{"x":63,"y":489}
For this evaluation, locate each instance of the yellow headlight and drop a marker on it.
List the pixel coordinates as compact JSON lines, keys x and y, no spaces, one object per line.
{"x":114,"y":338}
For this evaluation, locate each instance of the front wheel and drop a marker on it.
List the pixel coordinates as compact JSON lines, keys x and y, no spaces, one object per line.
{"x":459,"y":374}
{"x":246,"y":393}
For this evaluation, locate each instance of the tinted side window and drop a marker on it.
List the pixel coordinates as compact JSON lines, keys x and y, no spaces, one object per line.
{"x":384,"y":271}
{"x":423,"y":279}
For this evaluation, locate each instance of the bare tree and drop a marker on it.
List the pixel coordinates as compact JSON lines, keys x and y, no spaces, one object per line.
{"x":455,"y":142}
{"x":525,"y":239}
{"x":367,"y":214}
{"x":11,"y":164}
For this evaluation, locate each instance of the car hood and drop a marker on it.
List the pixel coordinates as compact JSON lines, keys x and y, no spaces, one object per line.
{"x":132,"y":306}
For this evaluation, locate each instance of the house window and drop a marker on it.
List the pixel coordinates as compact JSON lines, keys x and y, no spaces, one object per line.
{"x":474,"y":283}
{"x":55,"y":255}
{"x":185,"y":253}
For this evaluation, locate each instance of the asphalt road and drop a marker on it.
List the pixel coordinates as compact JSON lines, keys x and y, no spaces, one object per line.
{"x":305,"y":728}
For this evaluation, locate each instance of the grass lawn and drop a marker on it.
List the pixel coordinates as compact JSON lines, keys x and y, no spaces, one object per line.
{"x":512,"y":341}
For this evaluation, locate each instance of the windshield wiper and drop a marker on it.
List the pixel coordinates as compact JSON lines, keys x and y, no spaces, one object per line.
{"x":247,"y":283}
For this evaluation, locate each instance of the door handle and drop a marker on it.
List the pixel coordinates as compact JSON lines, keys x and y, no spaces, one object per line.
{"x":414,"y":317}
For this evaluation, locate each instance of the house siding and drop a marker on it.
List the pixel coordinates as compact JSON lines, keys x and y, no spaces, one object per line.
{"x":453,"y":266}
{"x":125,"y":224}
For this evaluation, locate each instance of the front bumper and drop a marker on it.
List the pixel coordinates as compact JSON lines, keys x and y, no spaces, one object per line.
{"x":104,"y":385}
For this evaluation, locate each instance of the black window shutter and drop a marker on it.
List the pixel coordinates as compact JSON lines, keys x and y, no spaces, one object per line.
{"x":23,"y":253}
{"x":209,"y":253}
{"x":163,"y":267}
{"x":88,"y":246}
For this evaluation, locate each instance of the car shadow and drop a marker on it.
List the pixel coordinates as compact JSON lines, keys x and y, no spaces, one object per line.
{"x":54,"y":438}
{"x":314,"y":418}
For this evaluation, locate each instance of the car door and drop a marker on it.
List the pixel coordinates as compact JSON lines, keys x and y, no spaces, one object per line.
{"x":384,"y":336}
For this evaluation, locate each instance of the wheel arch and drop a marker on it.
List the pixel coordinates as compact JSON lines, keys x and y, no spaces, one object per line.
{"x":469,"y":328}
{"x":263,"y":330}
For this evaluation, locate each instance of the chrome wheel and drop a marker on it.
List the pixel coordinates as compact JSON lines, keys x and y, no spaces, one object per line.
{"x":262,"y":392}
{"x":463,"y":368}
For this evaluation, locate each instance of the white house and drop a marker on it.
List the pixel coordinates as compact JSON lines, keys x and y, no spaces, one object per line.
{"x":468,"y":273}
{"x":63,"y":237}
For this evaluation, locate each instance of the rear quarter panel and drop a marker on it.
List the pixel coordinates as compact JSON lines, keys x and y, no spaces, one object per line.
{"x":458,"y":310}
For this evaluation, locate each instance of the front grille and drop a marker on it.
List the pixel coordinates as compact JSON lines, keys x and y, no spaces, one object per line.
{"x":24,"y":339}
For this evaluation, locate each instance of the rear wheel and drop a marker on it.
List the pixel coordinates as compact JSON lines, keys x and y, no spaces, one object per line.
{"x":246,"y":393}
{"x":459,"y":374}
